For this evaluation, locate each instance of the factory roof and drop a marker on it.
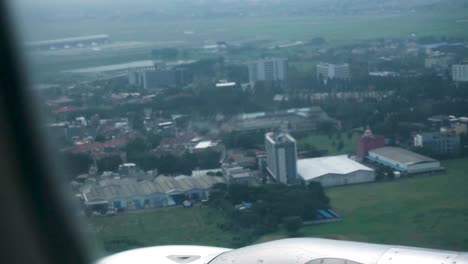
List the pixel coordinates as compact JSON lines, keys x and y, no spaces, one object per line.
{"x":313,"y":168}
{"x":127,"y":187}
{"x":401,"y":155}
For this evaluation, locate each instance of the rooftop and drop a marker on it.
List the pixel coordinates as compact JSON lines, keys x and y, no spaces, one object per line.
{"x":115,"y":188}
{"x":313,"y":168}
{"x":65,"y":40}
{"x":115,"y":67}
{"x":401,"y":155}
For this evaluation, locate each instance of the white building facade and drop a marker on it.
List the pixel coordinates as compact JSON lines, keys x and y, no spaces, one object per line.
{"x":460,"y":72}
{"x":281,"y":152}
{"x":270,"y":69}
{"x":334,"y":171}
{"x":333,"y":71}
{"x":403,"y":160}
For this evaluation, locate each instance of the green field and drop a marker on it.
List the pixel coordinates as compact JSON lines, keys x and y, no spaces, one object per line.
{"x":191,"y":226}
{"x":336,"y":29}
{"x":428,"y":211}
{"x":324,"y":142}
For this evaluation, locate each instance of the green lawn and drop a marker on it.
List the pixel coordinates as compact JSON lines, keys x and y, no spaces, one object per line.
{"x":324,"y":142}
{"x":426,"y":211}
{"x":336,"y":29}
{"x":197,"y":226}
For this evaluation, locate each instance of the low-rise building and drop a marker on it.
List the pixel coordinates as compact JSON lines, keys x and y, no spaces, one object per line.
{"x":403,"y":160}
{"x":334,"y":171}
{"x":130,"y":194}
{"x":439,"y":143}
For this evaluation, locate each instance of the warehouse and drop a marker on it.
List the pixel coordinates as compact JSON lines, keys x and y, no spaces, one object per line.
{"x":334,"y":171}
{"x":130,"y":194}
{"x":403,"y":160}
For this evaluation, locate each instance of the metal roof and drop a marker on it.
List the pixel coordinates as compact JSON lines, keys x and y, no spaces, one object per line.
{"x":128,"y":187}
{"x":312,"y":168}
{"x":67,"y":40}
{"x":401,"y":155}
{"x":115,"y":67}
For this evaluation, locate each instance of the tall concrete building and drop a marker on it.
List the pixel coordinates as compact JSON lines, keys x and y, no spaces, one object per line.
{"x":460,"y":72}
{"x":281,"y":152}
{"x":270,"y":69}
{"x":333,"y":71}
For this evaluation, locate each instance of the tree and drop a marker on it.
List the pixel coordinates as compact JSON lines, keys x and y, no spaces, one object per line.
{"x":77,"y":163}
{"x":110,"y":163}
{"x":292,"y":224}
{"x":100,"y":138}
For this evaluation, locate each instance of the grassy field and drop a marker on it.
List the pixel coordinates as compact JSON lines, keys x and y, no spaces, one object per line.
{"x":428,"y":211}
{"x":336,"y":29}
{"x":196,"y":226}
{"x":324,"y":142}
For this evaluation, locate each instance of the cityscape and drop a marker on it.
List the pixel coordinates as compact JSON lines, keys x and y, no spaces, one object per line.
{"x":233,"y":141}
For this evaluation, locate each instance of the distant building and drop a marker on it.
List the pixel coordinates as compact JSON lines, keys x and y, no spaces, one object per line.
{"x":238,"y":175}
{"x":159,"y":78}
{"x":333,"y":71}
{"x":460,"y":73}
{"x":439,"y":143}
{"x":403,"y":160}
{"x":334,"y":171}
{"x":294,"y":119}
{"x":270,"y":69}
{"x":66,"y":43}
{"x":438,"y":61}
{"x":368,"y":141}
{"x":281,"y":152}
{"x":457,"y":128}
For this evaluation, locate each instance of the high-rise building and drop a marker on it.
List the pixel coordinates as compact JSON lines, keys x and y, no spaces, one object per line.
{"x":460,"y":72}
{"x":270,"y":69}
{"x":333,"y":71}
{"x":281,"y":152}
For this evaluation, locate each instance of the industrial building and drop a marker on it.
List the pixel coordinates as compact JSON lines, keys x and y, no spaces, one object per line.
{"x":281,"y":152}
{"x":333,"y":71}
{"x":460,"y":72}
{"x":403,"y":160}
{"x":334,"y":170}
{"x":439,"y":143}
{"x":114,"y":70}
{"x":270,"y":69}
{"x":69,"y":42}
{"x":130,"y":194}
{"x":368,"y":141}
{"x":159,"y":78}
{"x":294,"y":119}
